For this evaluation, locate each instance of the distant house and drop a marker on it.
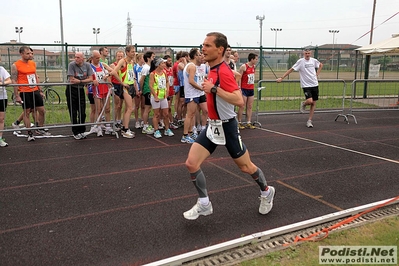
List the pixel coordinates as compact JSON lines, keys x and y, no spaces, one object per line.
{"x":9,"y":53}
{"x":343,"y":54}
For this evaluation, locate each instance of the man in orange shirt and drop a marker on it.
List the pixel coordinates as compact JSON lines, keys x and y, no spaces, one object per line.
{"x":23,"y":71}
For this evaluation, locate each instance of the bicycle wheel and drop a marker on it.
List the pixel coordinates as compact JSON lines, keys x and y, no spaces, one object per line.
{"x":52,"y":97}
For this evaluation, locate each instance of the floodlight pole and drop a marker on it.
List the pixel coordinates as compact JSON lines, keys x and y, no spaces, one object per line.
{"x":96,"y":31}
{"x":275,"y":37}
{"x":260,"y":18}
{"x":332,"y":52}
{"x":19,"y":30}
{"x":63,"y":66}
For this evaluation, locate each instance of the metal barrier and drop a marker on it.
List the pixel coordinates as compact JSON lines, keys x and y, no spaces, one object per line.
{"x":286,"y":97}
{"x":56,"y":110}
{"x":374,"y":95}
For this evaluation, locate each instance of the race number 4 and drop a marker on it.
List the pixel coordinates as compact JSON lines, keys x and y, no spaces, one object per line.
{"x":215,"y":132}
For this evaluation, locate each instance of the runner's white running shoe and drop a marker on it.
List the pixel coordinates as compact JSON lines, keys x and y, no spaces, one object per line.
{"x":266,"y":202}
{"x":302,"y":108}
{"x":128,"y":134}
{"x":157,"y":134}
{"x":99,"y":131}
{"x":197,"y":210}
{"x":169,"y":133}
{"x":3,"y":143}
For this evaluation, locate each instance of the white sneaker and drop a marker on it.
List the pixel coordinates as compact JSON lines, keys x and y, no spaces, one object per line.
{"x":197,"y":210}
{"x":31,"y":138}
{"x":309,"y":123}
{"x":173,"y":126}
{"x":99,"y":131}
{"x":169,"y":133}
{"x":161,"y":124}
{"x":144,"y":130}
{"x":93,"y":129}
{"x":109,"y":131}
{"x":157,"y":134}
{"x":43,"y":132}
{"x":302,"y":108}
{"x":79,"y":136}
{"x":3,"y":143}
{"x":118,"y":126}
{"x":16,"y":127}
{"x":137,"y":125}
{"x":266,"y":202}
{"x":149,"y":130}
{"x":128,"y":134}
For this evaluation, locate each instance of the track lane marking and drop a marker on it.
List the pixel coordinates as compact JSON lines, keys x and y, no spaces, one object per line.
{"x":330,"y":145}
{"x":317,"y":198}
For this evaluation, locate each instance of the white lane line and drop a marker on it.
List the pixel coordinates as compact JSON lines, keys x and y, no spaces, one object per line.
{"x":330,"y":145}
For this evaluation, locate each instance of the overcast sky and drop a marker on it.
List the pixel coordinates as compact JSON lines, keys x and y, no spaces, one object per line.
{"x":182,"y":22}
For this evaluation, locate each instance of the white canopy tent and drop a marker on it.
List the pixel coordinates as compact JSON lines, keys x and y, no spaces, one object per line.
{"x":389,"y":46}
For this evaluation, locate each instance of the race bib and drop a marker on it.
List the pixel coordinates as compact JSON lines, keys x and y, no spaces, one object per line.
{"x":130,"y":75}
{"x":251,"y":78}
{"x":200,"y":79}
{"x":31,"y":80}
{"x":100,"y":75}
{"x":215,"y":132}
{"x":162,"y":82}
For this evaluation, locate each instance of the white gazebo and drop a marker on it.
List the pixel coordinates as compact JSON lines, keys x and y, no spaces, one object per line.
{"x":388,"y":46}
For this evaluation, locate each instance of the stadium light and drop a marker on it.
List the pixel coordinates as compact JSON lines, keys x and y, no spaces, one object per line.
{"x":260,"y":18}
{"x":332,"y":52}
{"x":275,"y":36}
{"x":19,"y":30}
{"x":96,"y":32}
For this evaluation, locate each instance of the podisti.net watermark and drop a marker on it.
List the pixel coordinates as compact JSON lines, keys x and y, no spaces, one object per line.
{"x":358,"y":255}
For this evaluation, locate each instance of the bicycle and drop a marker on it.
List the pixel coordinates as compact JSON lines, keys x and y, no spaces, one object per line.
{"x":51,"y":95}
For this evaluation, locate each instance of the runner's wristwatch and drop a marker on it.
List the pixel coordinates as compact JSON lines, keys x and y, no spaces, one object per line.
{"x":214,"y":89}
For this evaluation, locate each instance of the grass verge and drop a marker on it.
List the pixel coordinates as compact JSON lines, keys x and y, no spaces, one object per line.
{"x":383,"y":232}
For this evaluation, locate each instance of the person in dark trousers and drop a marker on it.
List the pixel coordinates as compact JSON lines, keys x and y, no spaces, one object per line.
{"x":79,"y":73}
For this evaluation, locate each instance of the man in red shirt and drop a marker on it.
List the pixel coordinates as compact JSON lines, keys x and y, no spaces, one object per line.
{"x":247,"y":72}
{"x":222,"y":95}
{"x":170,"y":75}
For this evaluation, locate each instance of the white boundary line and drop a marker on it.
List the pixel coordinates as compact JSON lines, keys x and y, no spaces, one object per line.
{"x":330,"y":145}
{"x":15,"y":133}
{"x":265,"y":235}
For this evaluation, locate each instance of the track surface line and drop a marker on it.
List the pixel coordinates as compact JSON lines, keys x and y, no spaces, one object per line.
{"x":330,"y":145}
